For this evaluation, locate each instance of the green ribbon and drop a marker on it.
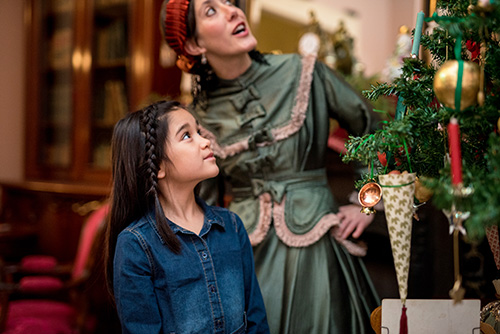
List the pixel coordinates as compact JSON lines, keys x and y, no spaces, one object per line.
{"x":458,"y":89}
{"x":397,"y":185}
{"x":400,"y":108}
{"x":455,"y":31}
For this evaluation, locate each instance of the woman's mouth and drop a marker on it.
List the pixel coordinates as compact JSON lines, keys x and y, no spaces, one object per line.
{"x":239,"y":29}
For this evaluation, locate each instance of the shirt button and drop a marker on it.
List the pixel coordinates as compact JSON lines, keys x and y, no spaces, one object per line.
{"x":204,"y":255}
{"x":218,"y":324}
{"x":212,"y":289}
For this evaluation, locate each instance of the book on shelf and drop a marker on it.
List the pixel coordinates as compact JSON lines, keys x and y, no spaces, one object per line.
{"x":101,"y":157}
{"x":60,"y":46}
{"x":111,"y":2}
{"x":115,"y":102}
{"x":61,"y":6}
{"x":112,"y":43}
{"x":58,"y":154}
{"x":60,"y":105}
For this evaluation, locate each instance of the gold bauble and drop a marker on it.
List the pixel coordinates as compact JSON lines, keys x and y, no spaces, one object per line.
{"x":445,"y":84}
{"x":485,"y":6}
{"x":422,"y":193}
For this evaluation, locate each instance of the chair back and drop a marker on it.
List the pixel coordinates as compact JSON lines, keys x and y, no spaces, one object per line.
{"x":92,"y":228}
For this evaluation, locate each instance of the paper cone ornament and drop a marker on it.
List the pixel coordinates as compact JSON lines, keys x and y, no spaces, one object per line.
{"x":398,"y":191}
{"x":492,"y":235}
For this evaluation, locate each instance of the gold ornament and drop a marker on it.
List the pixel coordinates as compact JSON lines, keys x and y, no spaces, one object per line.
{"x":445,"y":84}
{"x":485,"y":6}
{"x":422,"y":193}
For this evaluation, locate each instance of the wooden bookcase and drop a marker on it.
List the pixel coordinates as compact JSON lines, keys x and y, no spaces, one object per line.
{"x":88,"y":63}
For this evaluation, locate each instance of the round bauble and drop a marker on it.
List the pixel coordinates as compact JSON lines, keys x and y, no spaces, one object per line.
{"x":485,"y":5}
{"x":445,"y":84}
{"x":370,"y":194}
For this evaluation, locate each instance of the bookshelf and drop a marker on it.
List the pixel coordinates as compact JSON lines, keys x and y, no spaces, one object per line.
{"x":88,"y":63}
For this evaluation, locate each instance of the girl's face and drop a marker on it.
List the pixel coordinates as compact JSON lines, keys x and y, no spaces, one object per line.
{"x":222,"y":29}
{"x":191,"y":159}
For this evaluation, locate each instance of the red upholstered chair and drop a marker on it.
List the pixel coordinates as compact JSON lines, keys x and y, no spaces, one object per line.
{"x":43,"y":277}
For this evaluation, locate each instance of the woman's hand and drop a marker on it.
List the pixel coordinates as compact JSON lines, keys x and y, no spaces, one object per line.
{"x":352,"y":221}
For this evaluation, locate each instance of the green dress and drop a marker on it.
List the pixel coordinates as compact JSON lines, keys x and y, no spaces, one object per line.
{"x":269,"y":130}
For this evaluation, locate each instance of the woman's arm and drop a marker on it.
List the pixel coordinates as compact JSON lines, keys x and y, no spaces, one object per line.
{"x":133,"y":287}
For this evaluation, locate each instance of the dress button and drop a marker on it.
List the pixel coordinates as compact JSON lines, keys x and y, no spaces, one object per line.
{"x":212,"y":289}
{"x":204,"y":255}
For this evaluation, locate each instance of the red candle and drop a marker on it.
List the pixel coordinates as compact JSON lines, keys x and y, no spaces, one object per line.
{"x":456,"y":155}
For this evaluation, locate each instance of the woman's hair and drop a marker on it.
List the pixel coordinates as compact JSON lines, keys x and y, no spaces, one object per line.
{"x":138,"y":149}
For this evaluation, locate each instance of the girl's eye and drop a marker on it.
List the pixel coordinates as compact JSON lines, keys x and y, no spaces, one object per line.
{"x":186,"y":136}
{"x":229,"y":2}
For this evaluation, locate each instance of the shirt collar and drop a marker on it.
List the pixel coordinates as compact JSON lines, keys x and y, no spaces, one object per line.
{"x":211,"y":218}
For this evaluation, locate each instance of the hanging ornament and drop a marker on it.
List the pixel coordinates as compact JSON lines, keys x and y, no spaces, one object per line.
{"x":485,"y":6}
{"x":399,"y":190}
{"x":369,"y":195}
{"x":446,"y":87}
{"x":422,"y":193}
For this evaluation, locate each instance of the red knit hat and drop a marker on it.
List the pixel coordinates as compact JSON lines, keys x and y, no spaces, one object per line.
{"x":174,"y":25}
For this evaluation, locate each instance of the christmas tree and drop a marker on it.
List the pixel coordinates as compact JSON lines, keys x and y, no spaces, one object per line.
{"x":459,"y":81}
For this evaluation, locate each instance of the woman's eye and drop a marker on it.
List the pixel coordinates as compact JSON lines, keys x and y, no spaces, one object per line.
{"x":210,"y":11}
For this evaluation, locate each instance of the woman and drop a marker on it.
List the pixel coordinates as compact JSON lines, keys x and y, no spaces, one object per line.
{"x":268,"y":119}
{"x":174,"y":263}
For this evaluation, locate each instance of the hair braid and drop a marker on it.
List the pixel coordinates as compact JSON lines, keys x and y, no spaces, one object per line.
{"x":153,"y":157}
{"x":149,"y":125}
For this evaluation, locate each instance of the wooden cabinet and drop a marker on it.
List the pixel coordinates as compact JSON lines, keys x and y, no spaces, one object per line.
{"x":88,"y":64}
{"x":45,"y":217}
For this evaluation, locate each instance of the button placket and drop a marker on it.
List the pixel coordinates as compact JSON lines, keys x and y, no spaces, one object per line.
{"x":211,"y":281}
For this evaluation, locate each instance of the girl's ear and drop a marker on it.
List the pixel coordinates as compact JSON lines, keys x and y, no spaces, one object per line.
{"x":162,"y":172}
{"x":193,"y":48}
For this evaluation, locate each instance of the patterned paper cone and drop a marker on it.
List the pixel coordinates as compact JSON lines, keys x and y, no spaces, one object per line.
{"x":492,"y":235}
{"x":398,"y":191}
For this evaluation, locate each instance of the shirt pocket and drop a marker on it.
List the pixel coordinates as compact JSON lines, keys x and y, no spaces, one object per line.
{"x":243,"y":327}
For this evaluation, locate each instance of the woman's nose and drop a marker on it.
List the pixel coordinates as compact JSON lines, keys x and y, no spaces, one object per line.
{"x":231,"y":12}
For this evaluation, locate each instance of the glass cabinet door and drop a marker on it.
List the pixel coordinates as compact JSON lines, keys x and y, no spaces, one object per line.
{"x":56,"y":107}
{"x":88,"y":62}
{"x":110,"y":67}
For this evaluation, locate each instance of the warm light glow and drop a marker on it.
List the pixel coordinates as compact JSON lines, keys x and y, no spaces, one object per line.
{"x":76,"y":59}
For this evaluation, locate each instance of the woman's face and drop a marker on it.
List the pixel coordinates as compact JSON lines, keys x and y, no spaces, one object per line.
{"x":222,"y":29}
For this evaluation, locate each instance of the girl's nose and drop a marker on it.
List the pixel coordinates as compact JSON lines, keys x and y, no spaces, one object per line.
{"x":204,"y":142}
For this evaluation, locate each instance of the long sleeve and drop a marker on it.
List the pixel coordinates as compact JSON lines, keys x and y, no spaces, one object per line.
{"x":134,"y":289}
{"x":354,"y":112}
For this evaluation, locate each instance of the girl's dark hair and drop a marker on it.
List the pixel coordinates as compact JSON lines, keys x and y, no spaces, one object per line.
{"x":138,"y":148}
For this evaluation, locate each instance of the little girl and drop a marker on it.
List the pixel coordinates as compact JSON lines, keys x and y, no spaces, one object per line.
{"x":175,"y":264}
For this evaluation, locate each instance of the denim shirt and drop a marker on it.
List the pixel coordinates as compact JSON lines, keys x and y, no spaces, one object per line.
{"x":210,"y":287}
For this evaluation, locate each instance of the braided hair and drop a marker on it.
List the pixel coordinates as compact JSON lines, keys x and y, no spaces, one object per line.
{"x":138,"y":149}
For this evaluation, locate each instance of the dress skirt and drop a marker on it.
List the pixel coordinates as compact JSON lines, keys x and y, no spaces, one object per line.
{"x":314,"y":290}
